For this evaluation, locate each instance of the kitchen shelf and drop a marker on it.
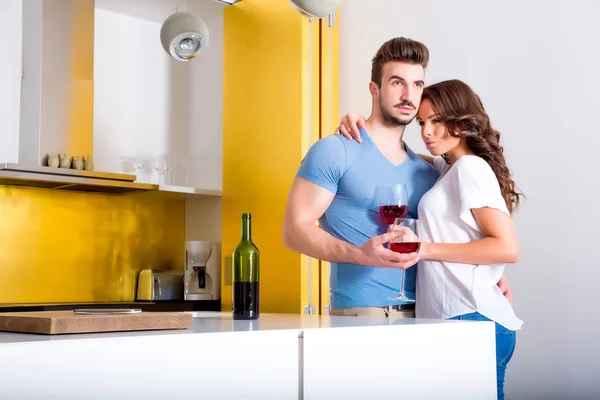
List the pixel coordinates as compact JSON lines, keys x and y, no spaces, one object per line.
{"x":64,"y":179}
{"x":26,"y":176}
{"x":180,"y":193}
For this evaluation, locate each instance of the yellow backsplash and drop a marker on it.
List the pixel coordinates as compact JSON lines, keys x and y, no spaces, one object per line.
{"x":77,"y":247}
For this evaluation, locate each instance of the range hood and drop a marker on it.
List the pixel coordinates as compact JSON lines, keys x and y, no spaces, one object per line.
{"x":18,"y":175}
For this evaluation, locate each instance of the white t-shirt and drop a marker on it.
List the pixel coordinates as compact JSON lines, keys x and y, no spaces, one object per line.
{"x":445,"y":289}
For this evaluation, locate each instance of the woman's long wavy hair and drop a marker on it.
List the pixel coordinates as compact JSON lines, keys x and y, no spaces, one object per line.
{"x":460,"y":108}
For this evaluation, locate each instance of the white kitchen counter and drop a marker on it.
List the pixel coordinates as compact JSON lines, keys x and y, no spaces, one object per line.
{"x":279,"y":356}
{"x":221,"y":322}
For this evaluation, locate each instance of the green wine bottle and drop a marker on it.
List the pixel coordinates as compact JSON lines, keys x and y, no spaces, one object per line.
{"x":246,"y":274}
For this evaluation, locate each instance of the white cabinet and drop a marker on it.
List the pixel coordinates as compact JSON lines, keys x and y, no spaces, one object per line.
{"x":408,"y":360}
{"x":248,"y":365}
{"x":280,"y":356}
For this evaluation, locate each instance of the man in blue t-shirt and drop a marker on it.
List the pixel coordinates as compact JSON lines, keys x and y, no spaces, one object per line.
{"x":336,"y":184}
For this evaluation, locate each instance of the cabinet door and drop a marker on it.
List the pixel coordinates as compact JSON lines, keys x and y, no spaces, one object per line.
{"x":400,"y":360}
{"x":160,"y":365}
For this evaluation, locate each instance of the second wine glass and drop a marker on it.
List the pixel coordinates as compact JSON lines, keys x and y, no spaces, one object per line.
{"x":406,"y":242}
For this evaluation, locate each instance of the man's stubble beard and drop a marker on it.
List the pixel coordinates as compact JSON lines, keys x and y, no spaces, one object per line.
{"x":389,"y":119}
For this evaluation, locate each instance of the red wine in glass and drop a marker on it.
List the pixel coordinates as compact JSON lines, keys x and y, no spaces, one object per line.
{"x":405,"y":247}
{"x":392,"y":202}
{"x":389,"y":213}
{"x":406,"y":241}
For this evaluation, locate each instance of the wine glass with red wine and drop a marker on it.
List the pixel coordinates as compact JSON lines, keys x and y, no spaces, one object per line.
{"x":407,"y":242}
{"x":392,"y":202}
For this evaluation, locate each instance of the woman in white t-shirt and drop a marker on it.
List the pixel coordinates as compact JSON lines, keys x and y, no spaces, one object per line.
{"x":465,"y":224}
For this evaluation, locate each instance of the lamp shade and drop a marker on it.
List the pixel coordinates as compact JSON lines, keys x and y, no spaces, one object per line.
{"x":184,"y":36}
{"x":315,"y":8}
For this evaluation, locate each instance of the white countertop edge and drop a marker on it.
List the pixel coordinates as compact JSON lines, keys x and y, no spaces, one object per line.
{"x":206,"y":322}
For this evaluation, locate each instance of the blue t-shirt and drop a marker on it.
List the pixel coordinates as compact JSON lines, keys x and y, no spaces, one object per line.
{"x":351,"y":171}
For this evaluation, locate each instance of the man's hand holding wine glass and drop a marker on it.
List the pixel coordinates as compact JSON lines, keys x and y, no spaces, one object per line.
{"x":374,"y":253}
{"x":405,"y":239}
{"x":391,"y":203}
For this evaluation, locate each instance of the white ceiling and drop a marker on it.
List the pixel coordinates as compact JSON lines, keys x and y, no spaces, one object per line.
{"x":157,"y":10}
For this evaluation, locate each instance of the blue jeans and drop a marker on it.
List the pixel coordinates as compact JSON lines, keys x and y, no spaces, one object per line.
{"x":505,"y":347}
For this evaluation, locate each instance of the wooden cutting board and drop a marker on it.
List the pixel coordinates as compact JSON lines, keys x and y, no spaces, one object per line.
{"x":60,"y":322}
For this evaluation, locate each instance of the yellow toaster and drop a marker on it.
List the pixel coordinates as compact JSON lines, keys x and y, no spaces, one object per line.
{"x":160,"y":285}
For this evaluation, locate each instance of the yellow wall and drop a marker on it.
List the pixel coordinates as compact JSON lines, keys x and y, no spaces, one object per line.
{"x":271,"y":115}
{"x":264,"y":117}
{"x":78,"y":247}
{"x":81,"y":83}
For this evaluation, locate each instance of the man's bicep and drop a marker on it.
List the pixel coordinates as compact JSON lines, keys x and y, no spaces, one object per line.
{"x":307,"y":202}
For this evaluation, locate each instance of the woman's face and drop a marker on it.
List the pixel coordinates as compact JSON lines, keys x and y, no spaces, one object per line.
{"x":434,"y":132}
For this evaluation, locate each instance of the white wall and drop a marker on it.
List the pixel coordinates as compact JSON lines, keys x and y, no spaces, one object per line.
{"x":10,"y":79}
{"x":147,"y":104}
{"x":131,"y":95}
{"x":538,"y":78}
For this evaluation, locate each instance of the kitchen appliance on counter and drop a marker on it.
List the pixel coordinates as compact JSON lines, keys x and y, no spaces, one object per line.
{"x":202,"y":276}
{"x":160,"y":285}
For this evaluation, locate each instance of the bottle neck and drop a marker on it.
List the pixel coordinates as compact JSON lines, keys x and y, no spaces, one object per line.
{"x":246,"y":228}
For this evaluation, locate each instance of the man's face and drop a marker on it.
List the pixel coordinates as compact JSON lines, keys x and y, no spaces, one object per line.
{"x":400,"y":93}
